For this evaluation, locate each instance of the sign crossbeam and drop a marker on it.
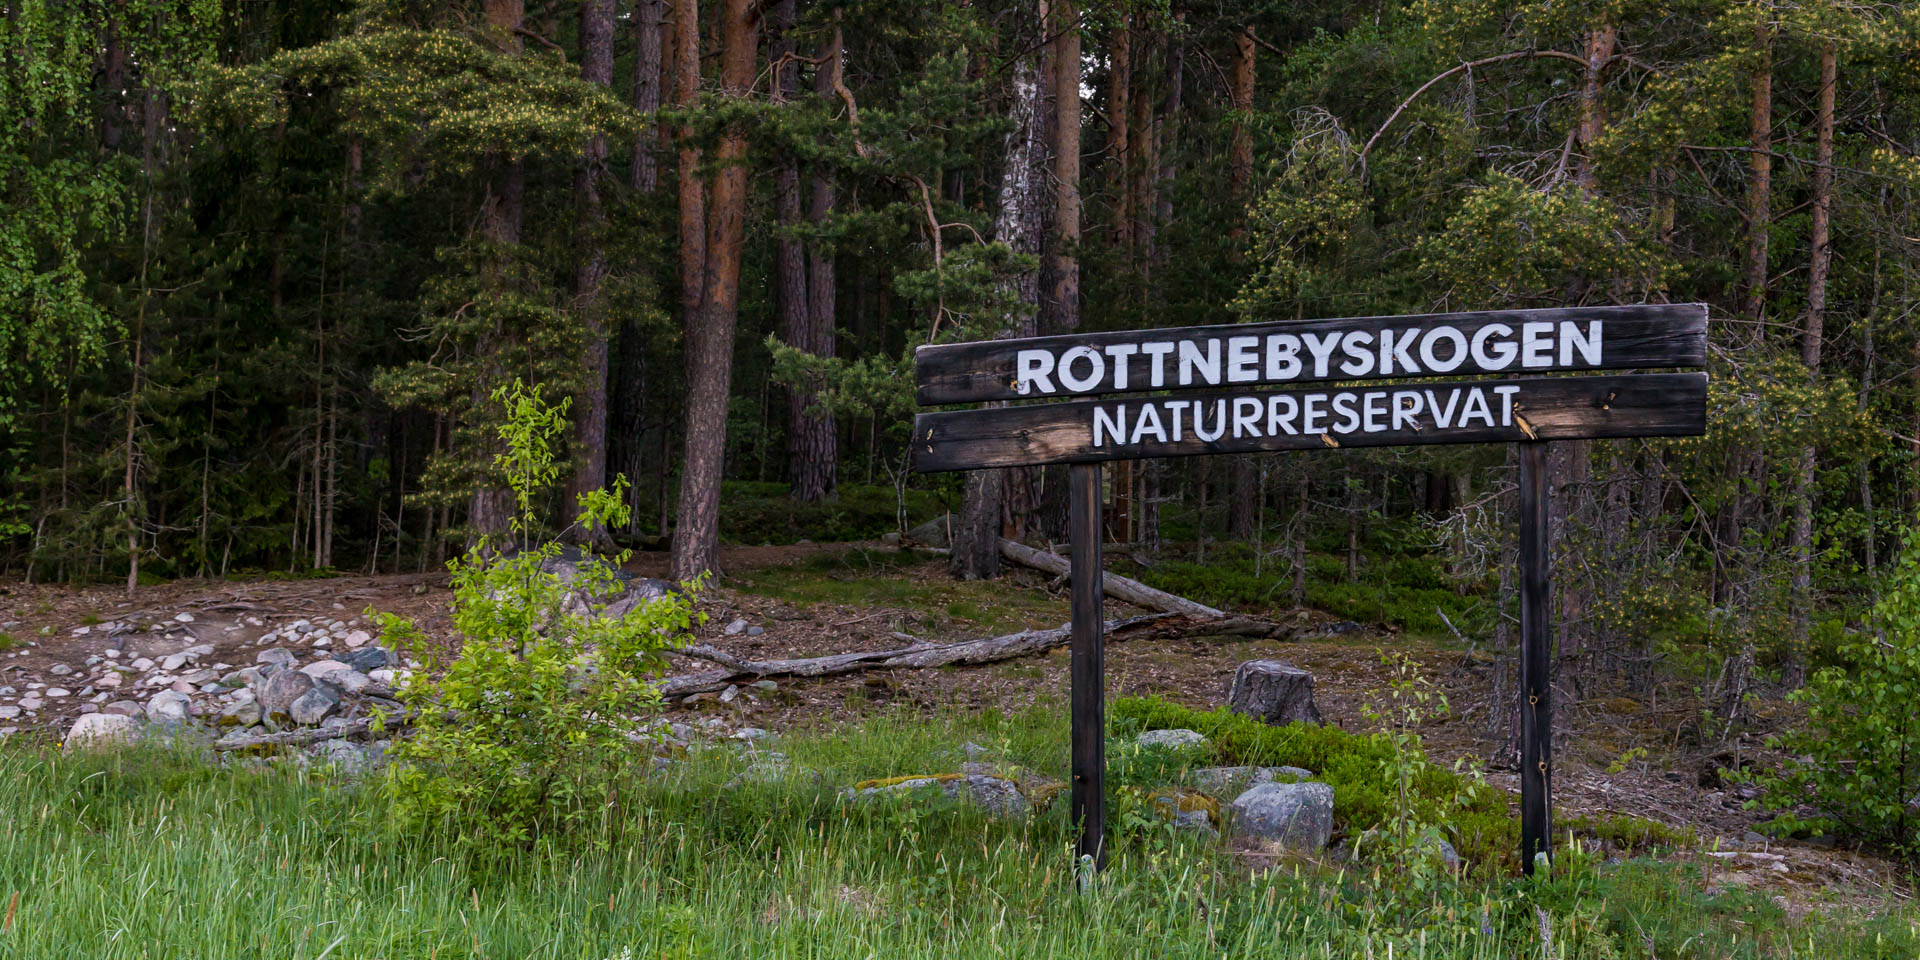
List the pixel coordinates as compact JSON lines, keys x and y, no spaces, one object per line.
{"x":1499,"y":342}
{"x":1161,"y":411}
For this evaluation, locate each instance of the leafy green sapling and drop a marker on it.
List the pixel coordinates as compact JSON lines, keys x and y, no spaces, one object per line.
{"x":526,"y":730}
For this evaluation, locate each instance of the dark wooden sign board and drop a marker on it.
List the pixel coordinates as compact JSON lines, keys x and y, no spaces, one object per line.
{"x":1231,"y":363}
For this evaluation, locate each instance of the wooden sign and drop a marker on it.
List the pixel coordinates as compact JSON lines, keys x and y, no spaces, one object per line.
{"x":1502,"y":342}
{"x":1234,"y":363}
{"x":1483,"y":411}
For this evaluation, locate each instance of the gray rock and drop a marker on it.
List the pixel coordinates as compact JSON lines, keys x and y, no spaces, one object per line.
{"x":764,"y":686}
{"x":346,"y":757}
{"x":246,"y":677}
{"x":60,"y":670}
{"x":351,"y":681}
{"x":246,"y":713}
{"x":102,"y":730}
{"x":1224,"y":781}
{"x":9,"y":712}
{"x":357,"y":639}
{"x":749,"y":734}
{"x":998,"y":796}
{"x":736,"y":628}
{"x":315,"y":705}
{"x":126,"y":708}
{"x":1195,"y":818}
{"x":170,"y":707}
{"x":1174,"y":739}
{"x":1299,"y":816}
{"x":276,"y":657}
{"x":1273,"y":691}
{"x":755,"y":631}
{"x":277,"y":693}
{"x":320,"y":669}
{"x":934,"y":533}
{"x":368,"y":659}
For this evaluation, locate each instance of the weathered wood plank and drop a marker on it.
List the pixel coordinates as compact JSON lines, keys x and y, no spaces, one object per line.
{"x":1484,"y":411}
{"x":1629,"y":337}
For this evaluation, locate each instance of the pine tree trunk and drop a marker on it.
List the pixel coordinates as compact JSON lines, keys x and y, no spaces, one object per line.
{"x":590,"y":423}
{"x":1119,"y":121}
{"x":1760,"y":174}
{"x":1064,"y":256}
{"x":810,"y":435}
{"x":819,"y":470}
{"x":1017,"y":221}
{"x":649,"y":17}
{"x":692,"y":196}
{"x":1819,"y":237}
{"x":710,"y":344}
{"x":491,"y":509}
{"x":1240,"y":484}
{"x":1062,"y":265}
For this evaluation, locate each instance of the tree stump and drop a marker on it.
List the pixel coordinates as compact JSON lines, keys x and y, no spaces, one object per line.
{"x":1274,"y":691}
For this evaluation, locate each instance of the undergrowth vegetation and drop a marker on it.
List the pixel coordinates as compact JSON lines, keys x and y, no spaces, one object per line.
{"x":1407,"y":589}
{"x":209,"y":863}
{"x":753,"y":512}
{"x":1473,"y":814}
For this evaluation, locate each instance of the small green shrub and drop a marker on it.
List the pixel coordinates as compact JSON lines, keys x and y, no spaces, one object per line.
{"x":1474,"y":813}
{"x":1859,"y":750}
{"x":523,"y":734}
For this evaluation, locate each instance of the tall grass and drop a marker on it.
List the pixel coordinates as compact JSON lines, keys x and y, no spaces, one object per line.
{"x":151,"y":854}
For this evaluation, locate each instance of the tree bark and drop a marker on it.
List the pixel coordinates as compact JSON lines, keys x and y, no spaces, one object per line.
{"x":1593,"y":119}
{"x":692,"y":206}
{"x":1064,"y":257}
{"x":1062,"y":265}
{"x":1240,"y":474}
{"x":696,"y":537}
{"x":1119,"y":120}
{"x":1760,"y":173}
{"x":1017,"y":222}
{"x":1818,"y":269}
{"x":649,"y":17}
{"x":590,"y":423}
{"x":805,"y":279}
{"x":491,"y":509}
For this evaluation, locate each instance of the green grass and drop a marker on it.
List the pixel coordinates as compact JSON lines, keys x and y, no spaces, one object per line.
{"x":881,"y":578}
{"x":8,"y":641}
{"x":156,"y":855}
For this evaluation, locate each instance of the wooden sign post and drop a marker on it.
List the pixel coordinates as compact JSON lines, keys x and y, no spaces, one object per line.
{"x":1523,"y":404}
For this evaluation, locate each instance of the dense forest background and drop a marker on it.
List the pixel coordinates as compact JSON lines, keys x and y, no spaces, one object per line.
{"x":263,"y":267}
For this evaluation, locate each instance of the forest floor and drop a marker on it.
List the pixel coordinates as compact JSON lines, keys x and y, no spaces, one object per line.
{"x":1615,"y":756}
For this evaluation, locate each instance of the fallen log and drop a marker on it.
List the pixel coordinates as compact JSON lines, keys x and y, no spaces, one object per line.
{"x":1116,"y":586}
{"x":962,"y":653}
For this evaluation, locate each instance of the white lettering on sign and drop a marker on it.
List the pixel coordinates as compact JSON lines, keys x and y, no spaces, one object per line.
{"x":1281,"y":357}
{"x":1331,"y":413}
